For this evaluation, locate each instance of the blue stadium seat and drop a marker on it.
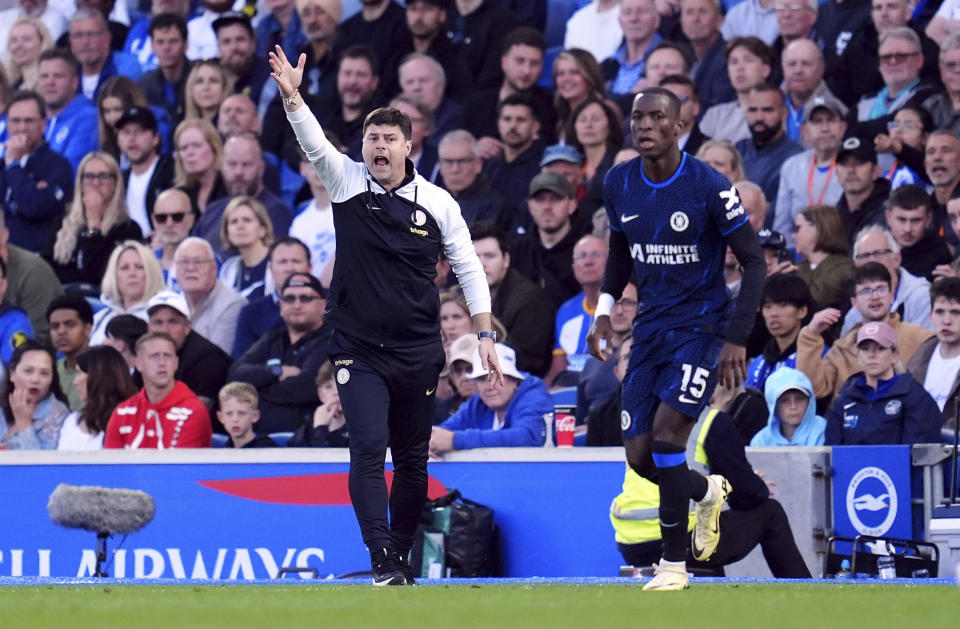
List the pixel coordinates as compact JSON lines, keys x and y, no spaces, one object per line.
{"x":281,"y":438}
{"x":219,"y":440}
{"x":558,"y":12}
{"x":564,"y":397}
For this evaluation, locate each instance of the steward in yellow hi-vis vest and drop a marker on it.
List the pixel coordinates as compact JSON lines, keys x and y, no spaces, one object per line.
{"x":714,"y":447}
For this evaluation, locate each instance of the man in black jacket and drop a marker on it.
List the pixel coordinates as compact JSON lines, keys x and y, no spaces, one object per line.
{"x":283,"y":364}
{"x":150,"y":173}
{"x":519,"y":304}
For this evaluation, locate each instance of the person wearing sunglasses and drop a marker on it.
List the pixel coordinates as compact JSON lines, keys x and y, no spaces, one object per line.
{"x":96,"y":222}
{"x":173,"y":219}
{"x":283,"y":363}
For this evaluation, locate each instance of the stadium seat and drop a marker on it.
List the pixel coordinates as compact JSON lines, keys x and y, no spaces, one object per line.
{"x":281,"y":438}
{"x":558,"y":12}
{"x":218,"y":440}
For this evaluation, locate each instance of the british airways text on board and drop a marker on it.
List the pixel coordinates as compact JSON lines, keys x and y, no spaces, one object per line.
{"x":169,"y":563}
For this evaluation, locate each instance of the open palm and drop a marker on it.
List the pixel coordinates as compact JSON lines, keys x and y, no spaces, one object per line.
{"x":288,"y":78}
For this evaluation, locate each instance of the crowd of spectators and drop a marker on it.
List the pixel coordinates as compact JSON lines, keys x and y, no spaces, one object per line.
{"x":166,"y":247}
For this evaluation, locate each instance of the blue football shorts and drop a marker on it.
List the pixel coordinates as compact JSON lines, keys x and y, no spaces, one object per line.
{"x":676,"y":367}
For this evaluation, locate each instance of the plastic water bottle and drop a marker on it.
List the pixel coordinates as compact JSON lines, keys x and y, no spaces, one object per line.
{"x":844,"y":571}
{"x":886,"y":567}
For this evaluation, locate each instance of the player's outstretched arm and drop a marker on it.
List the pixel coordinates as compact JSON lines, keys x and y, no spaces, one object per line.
{"x":616,"y":274}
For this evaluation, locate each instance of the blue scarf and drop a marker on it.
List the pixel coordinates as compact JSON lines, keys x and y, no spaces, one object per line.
{"x":880,"y":107}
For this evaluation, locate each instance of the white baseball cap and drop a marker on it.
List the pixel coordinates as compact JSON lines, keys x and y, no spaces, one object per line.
{"x":170,"y":299}
{"x":507,"y":358}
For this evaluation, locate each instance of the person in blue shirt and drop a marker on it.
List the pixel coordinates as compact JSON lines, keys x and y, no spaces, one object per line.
{"x":880,"y":406}
{"x":672,"y":218}
{"x":513,"y":415}
{"x":793,"y":412}
{"x":14,"y":323}
{"x":71,"y":117}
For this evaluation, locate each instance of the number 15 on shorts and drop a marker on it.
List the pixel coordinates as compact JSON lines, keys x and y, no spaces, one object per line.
{"x":694,"y":382}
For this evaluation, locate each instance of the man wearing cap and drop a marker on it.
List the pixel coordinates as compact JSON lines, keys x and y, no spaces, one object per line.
{"x":880,"y":406}
{"x":568,"y":161}
{"x":202,"y":365}
{"x":384,"y":310}
{"x":544,"y":254}
{"x":809,"y":178}
{"x":871,"y":295}
{"x":150,"y":173}
{"x":521,"y":61}
{"x":764,"y":153}
{"x":89,"y":37}
{"x":214,"y":306}
{"x":519,"y":304}
{"x":513,"y":415}
{"x":165,"y":413}
{"x":461,"y":173}
{"x":283,"y":364}
{"x":459,"y":365}
{"x":864,"y":191}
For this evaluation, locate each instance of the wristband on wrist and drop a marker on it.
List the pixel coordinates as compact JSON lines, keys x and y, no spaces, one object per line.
{"x":604,"y":305}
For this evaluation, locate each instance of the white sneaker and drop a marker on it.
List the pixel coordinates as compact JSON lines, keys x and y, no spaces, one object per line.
{"x":706,"y":532}
{"x":668,"y":576}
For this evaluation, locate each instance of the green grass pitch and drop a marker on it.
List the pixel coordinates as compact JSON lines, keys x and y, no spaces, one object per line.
{"x":711,"y":606}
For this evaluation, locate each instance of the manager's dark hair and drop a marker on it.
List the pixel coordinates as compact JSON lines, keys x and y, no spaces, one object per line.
{"x":389,"y":116}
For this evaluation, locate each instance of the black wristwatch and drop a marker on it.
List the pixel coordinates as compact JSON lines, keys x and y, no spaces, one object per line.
{"x":487,"y":335}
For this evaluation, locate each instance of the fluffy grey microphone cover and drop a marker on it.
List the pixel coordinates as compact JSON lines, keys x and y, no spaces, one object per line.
{"x":100,"y":509}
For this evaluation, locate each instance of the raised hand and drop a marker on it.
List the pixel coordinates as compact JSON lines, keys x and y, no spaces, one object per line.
{"x":288,"y":78}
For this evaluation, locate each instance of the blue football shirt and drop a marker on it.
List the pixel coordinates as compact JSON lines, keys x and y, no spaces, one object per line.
{"x":675,"y":230}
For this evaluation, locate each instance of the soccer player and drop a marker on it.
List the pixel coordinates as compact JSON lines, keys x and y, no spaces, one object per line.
{"x":384,"y":311}
{"x":673,"y":217}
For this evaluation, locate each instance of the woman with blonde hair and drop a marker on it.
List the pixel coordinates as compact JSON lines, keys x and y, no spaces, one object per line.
{"x":199,"y":151}
{"x":246,"y":230}
{"x":132,"y":277}
{"x":96,"y":221}
{"x":28,"y":38}
{"x":208,"y":84}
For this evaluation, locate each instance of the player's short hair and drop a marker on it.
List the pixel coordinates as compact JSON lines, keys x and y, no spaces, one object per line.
{"x":672,"y":98}
{"x":869,"y":272}
{"x":831,"y":237}
{"x":488,"y":229}
{"x":910,"y":197}
{"x":239,"y":391}
{"x":390,"y":117}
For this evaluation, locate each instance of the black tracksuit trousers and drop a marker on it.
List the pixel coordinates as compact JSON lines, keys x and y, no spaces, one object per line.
{"x":387,"y":396}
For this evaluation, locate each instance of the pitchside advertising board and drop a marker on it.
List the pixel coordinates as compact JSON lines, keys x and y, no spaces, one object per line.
{"x":871,"y":491}
{"x":220,"y":519}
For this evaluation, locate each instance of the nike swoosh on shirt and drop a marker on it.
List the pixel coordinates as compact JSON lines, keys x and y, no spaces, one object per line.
{"x":687,"y":400}
{"x":627,"y":219}
{"x":846,"y":406}
{"x":430,"y":391}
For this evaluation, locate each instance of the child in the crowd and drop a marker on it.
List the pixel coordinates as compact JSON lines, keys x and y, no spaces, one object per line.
{"x":327,"y":428}
{"x":793,"y":413}
{"x":238,"y":413}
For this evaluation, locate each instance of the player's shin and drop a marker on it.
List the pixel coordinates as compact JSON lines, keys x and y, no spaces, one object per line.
{"x":671,"y":462}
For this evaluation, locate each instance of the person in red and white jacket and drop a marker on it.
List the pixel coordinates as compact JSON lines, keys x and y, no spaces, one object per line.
{"x":165,"y":413}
